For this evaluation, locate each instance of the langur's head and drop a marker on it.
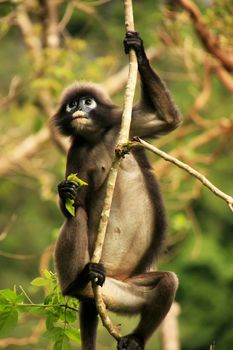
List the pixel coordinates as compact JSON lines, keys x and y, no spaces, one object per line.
{"x":85,"y":110}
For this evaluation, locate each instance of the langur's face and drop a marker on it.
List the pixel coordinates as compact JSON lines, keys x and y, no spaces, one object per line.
{"x":78,"y":110}
{"x":77,"y":116}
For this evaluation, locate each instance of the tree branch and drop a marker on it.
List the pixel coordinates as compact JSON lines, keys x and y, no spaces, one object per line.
{"x":169,"y":330}
{"x":26,"y":149}
{"x":14,"y":88}
{"x":123,"y":138}
{"x":50,"y":39}
{"x":210,"y":42}
{"x":31,"y":40}
{"x":224,"y":76}
{"x":137,"y":142}
{"x":50,"y":26}
{"x":202,"y":98}
{"x":66,"y":17}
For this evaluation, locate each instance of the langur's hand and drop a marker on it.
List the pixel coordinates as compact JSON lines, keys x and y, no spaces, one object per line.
{"x":67,"y":189}
{"x":133,"y":41}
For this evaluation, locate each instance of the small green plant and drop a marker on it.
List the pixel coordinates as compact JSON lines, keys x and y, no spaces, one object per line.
{"x":60,"y":312}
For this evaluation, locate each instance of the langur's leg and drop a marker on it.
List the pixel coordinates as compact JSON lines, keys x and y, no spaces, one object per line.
{"x":71,"y":251}
{"x":150,"y":294}
{"x":158,"y":302}
{"x":88,"y":324}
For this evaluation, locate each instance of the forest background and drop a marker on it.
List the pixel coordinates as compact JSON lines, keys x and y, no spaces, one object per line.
{"x":46,"y":45}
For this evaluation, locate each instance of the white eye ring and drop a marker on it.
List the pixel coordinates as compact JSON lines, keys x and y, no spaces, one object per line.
{"x":89,"y":102}
{"x":71,"y":106}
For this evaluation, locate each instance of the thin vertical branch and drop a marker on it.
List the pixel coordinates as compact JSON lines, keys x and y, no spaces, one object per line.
{"x":124,"y":135}
{"x":50,"y":25}
{"x":169,"y":330}
{"x":30,"y":38}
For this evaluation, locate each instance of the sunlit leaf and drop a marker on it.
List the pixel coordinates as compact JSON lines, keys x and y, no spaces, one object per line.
{"x":39,"y":281}
{"x":70,"y":206}
{"x":48,"y":275}
{"x":75,"y":178}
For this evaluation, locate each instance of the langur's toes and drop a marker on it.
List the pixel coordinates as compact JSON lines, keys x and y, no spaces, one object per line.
{"x":97,"y":273}
{"x":130,"y":342}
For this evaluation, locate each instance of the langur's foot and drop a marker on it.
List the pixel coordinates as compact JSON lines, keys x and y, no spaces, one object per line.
{"x":130,"y":342}
{"x":96,"y":272}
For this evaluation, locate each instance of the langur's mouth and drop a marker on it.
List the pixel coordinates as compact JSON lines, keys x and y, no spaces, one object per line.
{"x":79,"y":115}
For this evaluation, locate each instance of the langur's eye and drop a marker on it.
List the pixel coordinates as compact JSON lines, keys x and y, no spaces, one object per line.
{"x":71,"y":106}
{"x":89,"y":102}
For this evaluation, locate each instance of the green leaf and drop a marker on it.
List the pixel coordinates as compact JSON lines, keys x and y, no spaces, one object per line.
{"x":48,"y":299}
{"x":3,"y":303}
{"x":73,"y":334}
{"x":48,"y":275}
{"x":54,"y":333}
{"x":9,"y":295}
{"x":50,"y":320}
{"x":70,"y":206}
{"x":39,"y":282}
{"x":70,"y":316}
{"x":20,"y":298}
{"x":8,"y":321}
{"x":72,"y":302}
{"x":75,"y":178}
{"x":62,"y":343}
{"x":58,"y":335}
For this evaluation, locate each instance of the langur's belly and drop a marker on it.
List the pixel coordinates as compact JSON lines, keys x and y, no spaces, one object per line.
{"x":123,"y":249}
{"x":131,"y":225}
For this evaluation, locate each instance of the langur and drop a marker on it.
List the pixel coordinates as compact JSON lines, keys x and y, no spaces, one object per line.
{"x":137,"y":222}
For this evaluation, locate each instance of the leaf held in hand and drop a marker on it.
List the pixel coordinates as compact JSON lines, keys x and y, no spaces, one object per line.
{"x":70,"y":206}
{"x":70,"y":202}
{"x":75,"y":178}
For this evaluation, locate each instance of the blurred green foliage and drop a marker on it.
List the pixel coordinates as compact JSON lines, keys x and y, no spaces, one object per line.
{"x":200,"y":242}
{"x":60,"y":312}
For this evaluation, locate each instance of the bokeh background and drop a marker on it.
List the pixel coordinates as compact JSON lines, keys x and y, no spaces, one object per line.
{"x":45,"y":46}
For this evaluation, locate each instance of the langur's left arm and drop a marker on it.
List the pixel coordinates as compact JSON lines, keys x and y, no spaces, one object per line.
{"x":156,"y":113}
